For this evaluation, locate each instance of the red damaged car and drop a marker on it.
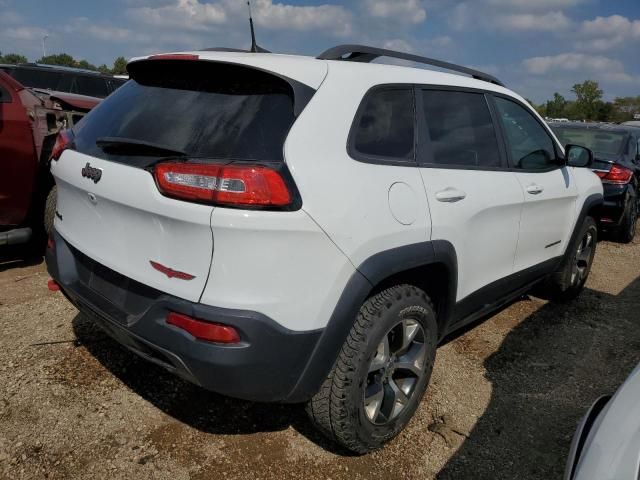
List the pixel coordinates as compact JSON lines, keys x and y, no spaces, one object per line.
{"x":30,"y":120}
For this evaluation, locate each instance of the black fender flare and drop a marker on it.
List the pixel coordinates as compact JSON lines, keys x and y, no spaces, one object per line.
{"x":370,"y":273}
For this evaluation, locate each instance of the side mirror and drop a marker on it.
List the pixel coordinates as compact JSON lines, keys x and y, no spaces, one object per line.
{"x":578,"y":156}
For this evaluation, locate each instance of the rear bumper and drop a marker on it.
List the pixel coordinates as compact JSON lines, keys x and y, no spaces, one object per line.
{"x":265,"y":366}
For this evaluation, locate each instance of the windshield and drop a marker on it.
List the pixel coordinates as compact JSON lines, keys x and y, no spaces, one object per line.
{"x":204,"y":109}
{"x":600,"y":141}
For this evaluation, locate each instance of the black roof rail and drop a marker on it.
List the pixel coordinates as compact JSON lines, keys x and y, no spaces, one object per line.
{"x":365,"y":54}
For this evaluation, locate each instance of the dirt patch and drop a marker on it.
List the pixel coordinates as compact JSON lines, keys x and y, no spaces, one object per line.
{"x":503,"y":403}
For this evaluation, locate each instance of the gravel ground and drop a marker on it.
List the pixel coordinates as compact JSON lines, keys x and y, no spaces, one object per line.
{"x":503,"y":403}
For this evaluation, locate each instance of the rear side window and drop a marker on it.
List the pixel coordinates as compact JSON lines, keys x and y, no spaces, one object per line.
{"x":204,"y":109}
{"x":460,"y":129}
{"x":91,"y":86}
{"x":385,"y":126}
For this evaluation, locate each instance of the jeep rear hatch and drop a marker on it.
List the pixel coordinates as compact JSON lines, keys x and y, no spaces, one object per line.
{"x":194,"y":123}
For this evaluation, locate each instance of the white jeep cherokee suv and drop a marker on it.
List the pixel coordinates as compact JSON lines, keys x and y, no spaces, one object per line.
{"x":294,"y":229}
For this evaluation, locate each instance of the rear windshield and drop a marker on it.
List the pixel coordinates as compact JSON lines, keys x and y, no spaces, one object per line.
{"x":597,"y":140}
{"x":204,"y":109}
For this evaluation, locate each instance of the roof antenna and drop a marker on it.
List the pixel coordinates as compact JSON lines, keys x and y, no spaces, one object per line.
{"x":255,"y":48}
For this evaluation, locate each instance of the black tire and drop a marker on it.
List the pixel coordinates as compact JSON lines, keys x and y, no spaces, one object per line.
{"x":50,"y":209}
{"x":567,"y":283}
{"x":627,"y":229}
{"x":389,"y":318}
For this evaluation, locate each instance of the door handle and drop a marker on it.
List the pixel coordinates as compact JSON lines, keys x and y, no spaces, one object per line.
{"x":534,"y":189}
{"x":450,"y":195}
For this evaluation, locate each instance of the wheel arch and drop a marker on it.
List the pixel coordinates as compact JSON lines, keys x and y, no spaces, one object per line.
{"x":430,"y":265}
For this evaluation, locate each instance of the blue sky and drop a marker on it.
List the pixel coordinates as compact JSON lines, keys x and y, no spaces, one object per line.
{"x":536,"y":47}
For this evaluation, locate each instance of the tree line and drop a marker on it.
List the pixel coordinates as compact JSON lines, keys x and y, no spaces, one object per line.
{"x":119,"y":66}
{"x":588,"y":105}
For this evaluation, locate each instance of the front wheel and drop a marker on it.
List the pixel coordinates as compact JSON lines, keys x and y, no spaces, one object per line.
{"x":567,"y":283}
{"x":381,"y":373}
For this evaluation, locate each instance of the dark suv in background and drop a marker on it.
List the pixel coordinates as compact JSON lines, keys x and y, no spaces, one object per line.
{"x":616,"y":150}
{"x":64,"y":79}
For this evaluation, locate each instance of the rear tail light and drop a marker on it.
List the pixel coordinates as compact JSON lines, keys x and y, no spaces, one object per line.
{"x":64,"y":141}
{"x":233,"y":185}
{"x":617,"y":175}
{"x":208,"y":331}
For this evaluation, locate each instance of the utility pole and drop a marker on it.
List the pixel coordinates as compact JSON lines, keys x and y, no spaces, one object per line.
{"x":44,"y":52}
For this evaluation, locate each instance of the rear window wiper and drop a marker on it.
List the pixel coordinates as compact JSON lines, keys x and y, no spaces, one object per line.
{"x":132,"y":146}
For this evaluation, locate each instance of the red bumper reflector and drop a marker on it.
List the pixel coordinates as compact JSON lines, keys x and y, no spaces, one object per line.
{"x":53,"y":285}
{"x":211,"y":332}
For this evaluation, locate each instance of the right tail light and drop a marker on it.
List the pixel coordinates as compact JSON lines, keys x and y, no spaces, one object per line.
{"x":617,"y":175}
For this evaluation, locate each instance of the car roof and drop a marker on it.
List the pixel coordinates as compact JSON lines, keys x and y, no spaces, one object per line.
{"x":607,"y":127}
{"x":61,"y":68}
{"x":294,"y":66}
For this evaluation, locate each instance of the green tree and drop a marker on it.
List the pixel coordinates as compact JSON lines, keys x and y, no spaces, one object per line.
{"x":62,"y":59}
{"x":104,"y":69}
{"x":119,"y":66}
{"x":13,"y":58}
{"x":588,"y":98}
{"x":556,"y":108}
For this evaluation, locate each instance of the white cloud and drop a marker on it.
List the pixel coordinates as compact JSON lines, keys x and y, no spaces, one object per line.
{"x":572,"y":62}
{"x":186,"y":14}
{"x":406,"y":11}
{"x":580,"y":66}
{"x":196,"y":16}
{"x":23,"y":33}
{"x":605,"y":33}
{"x":550,"y":21}
{"x":535,"y":5}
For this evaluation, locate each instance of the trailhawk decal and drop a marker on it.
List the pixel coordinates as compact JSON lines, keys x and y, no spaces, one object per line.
{"x":170,"y":272}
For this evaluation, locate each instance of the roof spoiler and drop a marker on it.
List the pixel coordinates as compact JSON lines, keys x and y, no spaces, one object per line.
{"x":365,"y":54}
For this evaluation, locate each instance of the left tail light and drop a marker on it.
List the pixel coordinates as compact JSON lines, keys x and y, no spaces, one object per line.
{"x":64,"y":141}
{"x":617,"y":175}
{"x":227,"y":185}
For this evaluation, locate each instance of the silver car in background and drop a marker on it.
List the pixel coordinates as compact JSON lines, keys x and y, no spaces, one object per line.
{"x":606,"y":445}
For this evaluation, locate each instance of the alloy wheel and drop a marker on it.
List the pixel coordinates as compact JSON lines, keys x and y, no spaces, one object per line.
{"x":582,"y":259}
{"x":394,"y":372}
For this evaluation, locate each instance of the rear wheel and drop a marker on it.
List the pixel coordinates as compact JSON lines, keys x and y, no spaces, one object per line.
{"x":50,"y":209}
{"x":381,"y":372}
{"x":567,"y":283}
{"x":627,"y":229}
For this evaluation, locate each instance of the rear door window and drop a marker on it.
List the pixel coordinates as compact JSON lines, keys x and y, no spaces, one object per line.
{"x":385,"y":126}
{"x":460,"y":129}
{"x":205,"y":109}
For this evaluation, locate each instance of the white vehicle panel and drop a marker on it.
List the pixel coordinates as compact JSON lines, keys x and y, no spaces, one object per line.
{"x":127,"y":223}
{"x":349,"y":199}
{"x":305,"y":70}
{"x":612,"y":448}
{"x":548,"y":215}
{"x":280,"y":264}
{"x":482,"y":226}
